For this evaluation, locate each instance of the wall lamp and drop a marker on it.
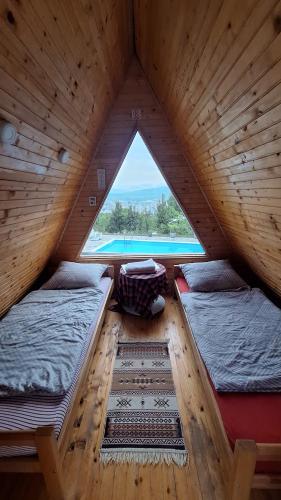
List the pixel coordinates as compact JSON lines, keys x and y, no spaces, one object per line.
{"x":8,"y":132}
{"x":63,"y":156}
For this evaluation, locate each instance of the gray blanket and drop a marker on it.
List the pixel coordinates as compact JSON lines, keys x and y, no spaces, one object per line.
{"x":42,"y":337}
{"x":239,"y":337}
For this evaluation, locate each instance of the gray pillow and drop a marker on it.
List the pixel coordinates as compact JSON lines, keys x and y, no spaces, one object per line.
{"x":212,"y":276}
{"x":75,"y":275}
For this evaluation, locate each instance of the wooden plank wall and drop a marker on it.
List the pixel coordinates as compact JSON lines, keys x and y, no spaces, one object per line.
{"x":61,"y":65}
{"x":136,"y":94}
{"x":216,"y":68}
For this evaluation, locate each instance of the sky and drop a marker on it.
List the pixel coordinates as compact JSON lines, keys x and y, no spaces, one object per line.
{"x":138,"y":170}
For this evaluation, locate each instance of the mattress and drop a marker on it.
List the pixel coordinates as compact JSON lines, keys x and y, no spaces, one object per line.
{"x":243,"y":351}
{"x":30,"y":412}
{"x":254,"y":416}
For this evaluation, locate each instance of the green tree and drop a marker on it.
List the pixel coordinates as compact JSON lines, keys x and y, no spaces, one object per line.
{"x":146,"y":222}
{"x":102,"y":222}
{"x":178,"y":222}
{"x":131,"y":219}
{"x":163,"y":216}
{"x":172,"y":203}
{"x":117,"y":219}
{"x":167,"y":218}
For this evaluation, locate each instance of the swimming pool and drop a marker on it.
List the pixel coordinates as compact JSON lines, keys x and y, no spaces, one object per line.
{"x":150,"y":247}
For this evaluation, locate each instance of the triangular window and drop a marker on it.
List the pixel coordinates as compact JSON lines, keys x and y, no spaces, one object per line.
{"x":140,"y":215}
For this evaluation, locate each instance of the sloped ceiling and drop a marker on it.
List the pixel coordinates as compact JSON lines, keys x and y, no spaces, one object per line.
{"x":216,"y":69}
{"x":62,"y":63}
{"x":136,"y":108}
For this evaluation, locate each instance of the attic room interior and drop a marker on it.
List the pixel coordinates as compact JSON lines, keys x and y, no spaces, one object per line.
{"x":140,"y":218}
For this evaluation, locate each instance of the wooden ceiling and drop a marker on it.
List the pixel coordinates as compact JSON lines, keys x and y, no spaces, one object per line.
{"x":122,"y":124}
{"x":215,"y":67}
{"x":62,"y":63}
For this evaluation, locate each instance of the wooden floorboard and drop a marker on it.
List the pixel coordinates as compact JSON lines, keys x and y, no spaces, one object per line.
{"x":87,"y":479}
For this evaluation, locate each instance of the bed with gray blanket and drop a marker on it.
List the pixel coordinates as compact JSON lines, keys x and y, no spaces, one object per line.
{"x":238,"y":334}
{"x":41,"y":340}
{"x":47,"y":406}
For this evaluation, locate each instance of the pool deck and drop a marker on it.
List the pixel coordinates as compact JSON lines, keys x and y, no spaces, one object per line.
{"x":92,"y":244}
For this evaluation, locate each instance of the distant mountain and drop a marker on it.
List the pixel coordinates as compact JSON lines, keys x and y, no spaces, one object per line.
{"x":140,"y":198}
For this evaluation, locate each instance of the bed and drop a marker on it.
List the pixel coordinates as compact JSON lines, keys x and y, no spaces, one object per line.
{"x":35,"y":428}
{"x":247,"y":423}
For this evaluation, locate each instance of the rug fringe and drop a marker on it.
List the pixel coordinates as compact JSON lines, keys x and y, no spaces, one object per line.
{"x":141,"y":340}
{"x":145,"y":457}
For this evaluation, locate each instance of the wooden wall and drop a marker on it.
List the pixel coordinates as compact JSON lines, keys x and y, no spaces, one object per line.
{"x":136,"y":94}
{"x":216,"y":68}
{"x":61,"y":65}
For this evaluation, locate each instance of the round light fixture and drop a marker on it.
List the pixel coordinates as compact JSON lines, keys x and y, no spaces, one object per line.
{"x":8,"y":132}
{"x":63,"y":156}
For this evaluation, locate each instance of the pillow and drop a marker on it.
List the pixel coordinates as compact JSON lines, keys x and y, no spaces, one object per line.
{"x":75,"y":275}
{"x":213,"y":276}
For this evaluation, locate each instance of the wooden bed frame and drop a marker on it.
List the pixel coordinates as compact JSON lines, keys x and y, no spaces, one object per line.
{"x":242,"y":461}
{"x":51,"y":451}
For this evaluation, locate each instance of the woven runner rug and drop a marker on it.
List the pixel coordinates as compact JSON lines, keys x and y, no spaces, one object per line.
{"x":143,"y":423}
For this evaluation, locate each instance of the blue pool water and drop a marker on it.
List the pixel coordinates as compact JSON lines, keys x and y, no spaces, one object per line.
{"x":149,"y":247}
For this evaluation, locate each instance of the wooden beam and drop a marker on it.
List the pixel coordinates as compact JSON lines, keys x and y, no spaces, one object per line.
{"x":269,"y":452}
{"x":245,"y":454}
{"x":50,"y":463}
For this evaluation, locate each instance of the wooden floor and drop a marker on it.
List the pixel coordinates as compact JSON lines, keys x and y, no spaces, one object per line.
{"x":87,"y":479}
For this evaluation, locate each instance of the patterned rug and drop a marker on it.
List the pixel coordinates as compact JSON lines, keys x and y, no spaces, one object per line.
{"x":143,"y":423}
